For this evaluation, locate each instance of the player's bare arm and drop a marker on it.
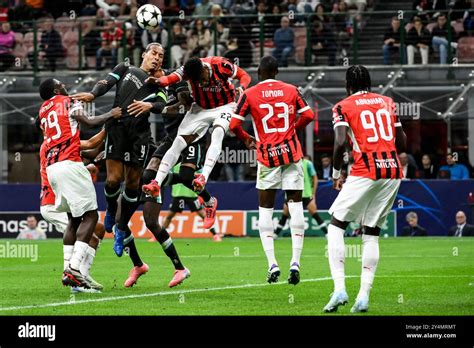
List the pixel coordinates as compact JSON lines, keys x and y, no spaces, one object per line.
{"x":340,"y":138}
{"x":400,"y":139}
{"x":93,"y":142}
{"x":93,"y":121}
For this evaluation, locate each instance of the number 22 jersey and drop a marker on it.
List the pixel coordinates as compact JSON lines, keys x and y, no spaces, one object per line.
{"x":371,"y":120}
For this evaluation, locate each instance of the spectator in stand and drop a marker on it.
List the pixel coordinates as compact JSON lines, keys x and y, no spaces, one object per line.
{"x":130,"y":44}
{"x":111,"y":37}
{"x":428,"y":170}
{"x":157,"y":34}
{"x":341,"y":19}
{"x":203,"y":9}
{"x":457,"y":171}
{"x":440,"y":38}
{"x":7,"y":43}
{"x":222,"y":39}
{"x":110,"y":8}
{"x":50,"y":47}
{"x":418,"y":40}
{"x":391,"y":41}
{"x":275,"y":20}
{"x":325,"y":173}
{"x":32,"y":231}
{"x":408,"y":169}
{"x":413,"y":229}
{"x":359,"y":4}
{"x":179,"y":45}
{"x":172,"y":10}
{"x":239,"y":48}
{"x":319,"y":14}
{"x":461,"y":229}
{"x":199,"y":39}
{"x":284,"y":42}
{"x":91,"y":41}
{"x":323,"y":42}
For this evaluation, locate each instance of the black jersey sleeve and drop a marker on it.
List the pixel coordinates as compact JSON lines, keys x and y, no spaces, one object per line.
{"x":112,"y":78}
{"x":161,"y":98}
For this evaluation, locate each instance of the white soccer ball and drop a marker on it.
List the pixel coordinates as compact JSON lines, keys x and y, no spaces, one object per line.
{"x":148,"y":17}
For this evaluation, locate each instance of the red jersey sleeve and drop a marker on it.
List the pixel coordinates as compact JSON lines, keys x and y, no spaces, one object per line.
{"x":339,"y":117}
{"x":304,"y":110}
{"x":241,"y":111}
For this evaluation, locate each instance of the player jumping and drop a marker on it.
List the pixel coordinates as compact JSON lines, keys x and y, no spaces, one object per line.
{"x":273,"y":106}
{"x":375,"y":133}
{"x":213,"y":106}
{"x":70,"y":180}
{"x":128,"y":140}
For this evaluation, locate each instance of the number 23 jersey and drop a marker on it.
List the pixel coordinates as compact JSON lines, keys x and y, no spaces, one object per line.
{"x":273,"y":106}
{"x":371,"y":120}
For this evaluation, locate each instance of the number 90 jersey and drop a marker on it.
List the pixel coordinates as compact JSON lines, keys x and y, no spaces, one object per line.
{"x":61,"y":131}
{"x":371,"y":120}
{"x":273,"y":106}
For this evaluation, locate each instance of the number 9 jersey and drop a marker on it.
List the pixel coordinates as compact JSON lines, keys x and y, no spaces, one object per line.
{"x":273,"y":106}
{"x":371,"y":120}
{"x":61,"y":131}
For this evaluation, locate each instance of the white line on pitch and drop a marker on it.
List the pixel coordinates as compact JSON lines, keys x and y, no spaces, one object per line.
{"x":232,"y":287}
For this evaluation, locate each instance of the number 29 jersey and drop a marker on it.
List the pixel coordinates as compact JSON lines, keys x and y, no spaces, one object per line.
{"x":371,"y":120}
{"x":273,"y":106}
{"x":61,"y":131}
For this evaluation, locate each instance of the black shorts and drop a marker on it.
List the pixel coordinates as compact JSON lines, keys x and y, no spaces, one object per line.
{"x":178,"y":204}
{"x":128,"y":140}
{"x":306,"y":201}
{"x":194,"y":153}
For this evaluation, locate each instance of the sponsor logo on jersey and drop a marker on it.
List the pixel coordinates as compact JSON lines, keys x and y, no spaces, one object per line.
{"x":278,"y":150}
{"x":386,"y":163}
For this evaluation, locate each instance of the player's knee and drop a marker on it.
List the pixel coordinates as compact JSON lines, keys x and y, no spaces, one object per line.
{"x":148,"y":175}
{"x":113,"y":181}
{"x":99,"y":230}
{"x":91,"y":216}
{"x":151,"y":220}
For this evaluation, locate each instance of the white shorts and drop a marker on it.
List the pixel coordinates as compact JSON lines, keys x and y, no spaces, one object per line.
{"x":365,"y":201}
{"x":286,"y":177}
{"x":73,"y":187}
{"x":59,"y":220}
{"x":198,"y":120}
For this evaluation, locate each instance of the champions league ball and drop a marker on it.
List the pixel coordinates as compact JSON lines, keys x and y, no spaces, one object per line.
{"x":148,"y":17}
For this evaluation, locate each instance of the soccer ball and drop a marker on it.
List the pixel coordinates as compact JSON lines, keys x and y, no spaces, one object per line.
{"x":148,"y":17}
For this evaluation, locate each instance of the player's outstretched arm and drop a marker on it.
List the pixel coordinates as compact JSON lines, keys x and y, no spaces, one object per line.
{"x":165,"y":80}
{"x":340,"y":138}
{"x":243,"y":77}
{"x":93,"y":142}
{"x":79,"y":114}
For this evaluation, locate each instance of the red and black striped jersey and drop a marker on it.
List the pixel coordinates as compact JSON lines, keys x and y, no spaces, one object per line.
{"x":371,"y":119}
{"x":47,"y":196}
{"x":61,"y":131}
{"x":273,"y":106}
{"x":220,"y":90}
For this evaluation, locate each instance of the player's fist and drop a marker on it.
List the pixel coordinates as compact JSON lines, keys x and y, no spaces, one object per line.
{"x":116,"y":112}
{"x":83,"y":97}
{"x":154,"y":80}
{"x":337,"y":184}
{"x":250,"y":143}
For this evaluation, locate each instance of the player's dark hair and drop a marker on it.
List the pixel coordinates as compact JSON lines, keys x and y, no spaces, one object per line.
{"x":358,"y":79}
{"x":151,"y":44}
{"x":46,"y":89}
{"x":193,"y":69}
{"x":268,"y":65}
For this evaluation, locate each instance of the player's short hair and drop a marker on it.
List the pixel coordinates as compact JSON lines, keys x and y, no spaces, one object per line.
{"x":358,"y":78}
{"x":46,"y":89}
{"x":193,"y":68}
{"x":268,"y":64}
{"x":151,"y":44}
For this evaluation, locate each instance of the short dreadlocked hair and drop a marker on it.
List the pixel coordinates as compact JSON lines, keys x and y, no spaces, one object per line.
{"x":193,"y":69}
{"x":358,"y":79}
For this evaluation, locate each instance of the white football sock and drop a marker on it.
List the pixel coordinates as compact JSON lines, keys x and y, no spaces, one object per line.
{"x":86,"y":263}
{"x":336,"y":256}
{"x":170,"y":158}
{"x":67,"y":252}
{"x":214,"y":151}
{"x":370,"y":259}
{"x":78,"y":254}
{"x":265,"y":227}
{"x":297,"y":229}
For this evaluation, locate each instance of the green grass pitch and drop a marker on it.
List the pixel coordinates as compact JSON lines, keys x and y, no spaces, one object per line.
{"x":415,"y":276}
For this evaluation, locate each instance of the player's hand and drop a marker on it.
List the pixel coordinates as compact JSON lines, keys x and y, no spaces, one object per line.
{"x":250,"y":143}
{"x":83,"y":97}
{"x":100,"y":156}
{"x":116,"y":112}
{"x":238,"y":92}
{"x":153,"y":80}
{"x":139,"y":107}
{"x":337,"y":184}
